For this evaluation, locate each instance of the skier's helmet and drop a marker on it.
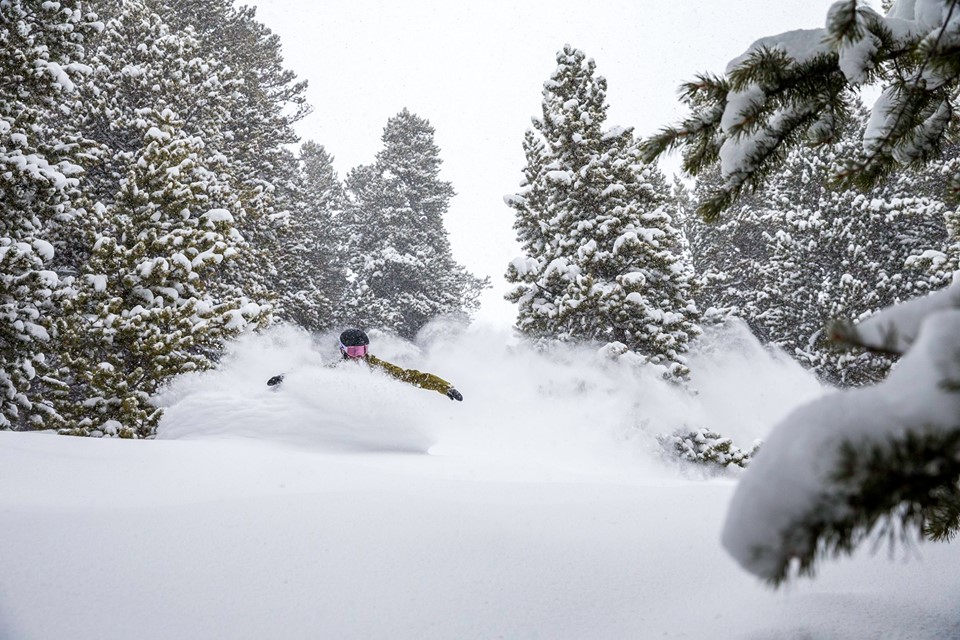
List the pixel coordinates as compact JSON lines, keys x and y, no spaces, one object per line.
{"x":353,"y":343}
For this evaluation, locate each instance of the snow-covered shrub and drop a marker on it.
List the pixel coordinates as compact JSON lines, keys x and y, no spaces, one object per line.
{"x":705,"y":447}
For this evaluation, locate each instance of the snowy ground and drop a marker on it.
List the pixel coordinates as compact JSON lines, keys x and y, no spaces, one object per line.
{"x":346,"y":505}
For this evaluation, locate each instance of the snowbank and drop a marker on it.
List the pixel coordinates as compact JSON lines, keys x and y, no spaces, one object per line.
{"x":316,"y":512}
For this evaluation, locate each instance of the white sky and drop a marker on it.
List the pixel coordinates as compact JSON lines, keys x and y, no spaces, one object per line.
{"x":475,"y":71}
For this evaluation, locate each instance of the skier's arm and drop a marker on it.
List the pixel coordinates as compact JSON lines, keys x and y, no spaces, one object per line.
{"x":416,"y":378}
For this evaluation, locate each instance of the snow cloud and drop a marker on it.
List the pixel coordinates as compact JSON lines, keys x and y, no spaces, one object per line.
{"x":568,"y":407}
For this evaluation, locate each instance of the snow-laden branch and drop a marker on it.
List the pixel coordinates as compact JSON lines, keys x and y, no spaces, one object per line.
{"x":864,"y":461}
{"x":736,"y":120}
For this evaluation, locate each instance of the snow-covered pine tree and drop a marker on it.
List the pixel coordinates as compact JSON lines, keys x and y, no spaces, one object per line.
{"x":727,"y":253}
{"x":263,"y":108}
{"x":603,"y":257}
{"x":939,"y":264}
{"x":800,"y":253}
{"x":701,"y":241}
{"x":42,"y":47}
{"x":265,"y":103}
{"x":402,"y":272}
{"x":270,"y":99}
{"x":141,"y":66}
{"x":882,"y":458}
{"x":312,"y":275}
{"x":142,"y":73}
{"x":242,"y":102}
{"x":152,"y":304}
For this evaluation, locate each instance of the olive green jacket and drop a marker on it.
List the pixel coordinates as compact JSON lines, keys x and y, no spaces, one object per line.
{"x":411,"y":376}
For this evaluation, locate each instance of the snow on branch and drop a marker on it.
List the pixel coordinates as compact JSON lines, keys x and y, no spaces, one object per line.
{"x":737,"y":120}
{"x":874,"y":461}
{"x":894,"y":330}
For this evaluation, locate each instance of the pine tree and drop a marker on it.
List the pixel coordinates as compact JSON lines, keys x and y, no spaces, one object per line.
{"x":42,"y":47}
{"x":798,"y":254}
{"x":153,"y":304}
{"x":269,"y":99}
{"x":312,"y":277}
{"x":263,"y":109}
{"x":143,"y":76}
{"x":141,"y":67}
{"x":604,"y":259}
{"x":402,"y":272}
{"x":242,"y":102}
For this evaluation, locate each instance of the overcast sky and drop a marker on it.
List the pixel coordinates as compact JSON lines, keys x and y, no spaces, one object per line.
{"x":475,"y":71}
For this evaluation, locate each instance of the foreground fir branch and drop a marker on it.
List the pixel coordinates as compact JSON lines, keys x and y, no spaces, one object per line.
{"x":889,"y":490}
{"x":797,"y":88}
{"x":876,"y":462}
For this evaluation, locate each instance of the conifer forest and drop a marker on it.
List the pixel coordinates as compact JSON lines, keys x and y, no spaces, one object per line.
{"x":152,"y":210}
{"x":156,"y":204}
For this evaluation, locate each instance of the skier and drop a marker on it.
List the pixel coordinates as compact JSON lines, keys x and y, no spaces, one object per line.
{"x":353,"y":347}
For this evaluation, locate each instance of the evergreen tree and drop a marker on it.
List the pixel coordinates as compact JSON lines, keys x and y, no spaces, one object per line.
{"x":799,"y":253}
{"x":143,"y":67}
{"x":604,"y":258}
{"x":269,"y":100}
{"x":142,"y":73}
{"x":42,"y":47}
{"x":402,"y":272}
{"x":263,"y":108}
{"x":243,"y":105}
{"x":152,"y":304}
{"x":65,"y":354}
{"x":312,"y":277}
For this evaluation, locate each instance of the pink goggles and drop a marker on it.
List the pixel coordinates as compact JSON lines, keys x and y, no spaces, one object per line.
{"x":354,"y":352}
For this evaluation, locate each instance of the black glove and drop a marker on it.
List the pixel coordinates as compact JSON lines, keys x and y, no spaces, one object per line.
{"x":453,"y":394}
{"x":275,"y":380}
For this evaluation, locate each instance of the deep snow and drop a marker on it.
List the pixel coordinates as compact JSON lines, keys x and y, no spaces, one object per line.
{"x":347,"y":505}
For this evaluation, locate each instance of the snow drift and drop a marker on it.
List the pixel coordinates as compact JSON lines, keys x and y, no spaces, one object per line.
{"x":314,"y":511}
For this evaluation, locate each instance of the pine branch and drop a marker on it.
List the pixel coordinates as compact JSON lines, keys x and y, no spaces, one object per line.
{"x":796,"y":99}
{"x":943,"y":520}
{"x":771,"y":150}
{"x":764,"y":67}
{"x":909,"y":483}
{"x":707,"y":97}
{"x":920,"y":116}
{"x":844,"y":22}
{"x":845,"y":333}
{"x":916,"y":133}
{"x":911,"y":98}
